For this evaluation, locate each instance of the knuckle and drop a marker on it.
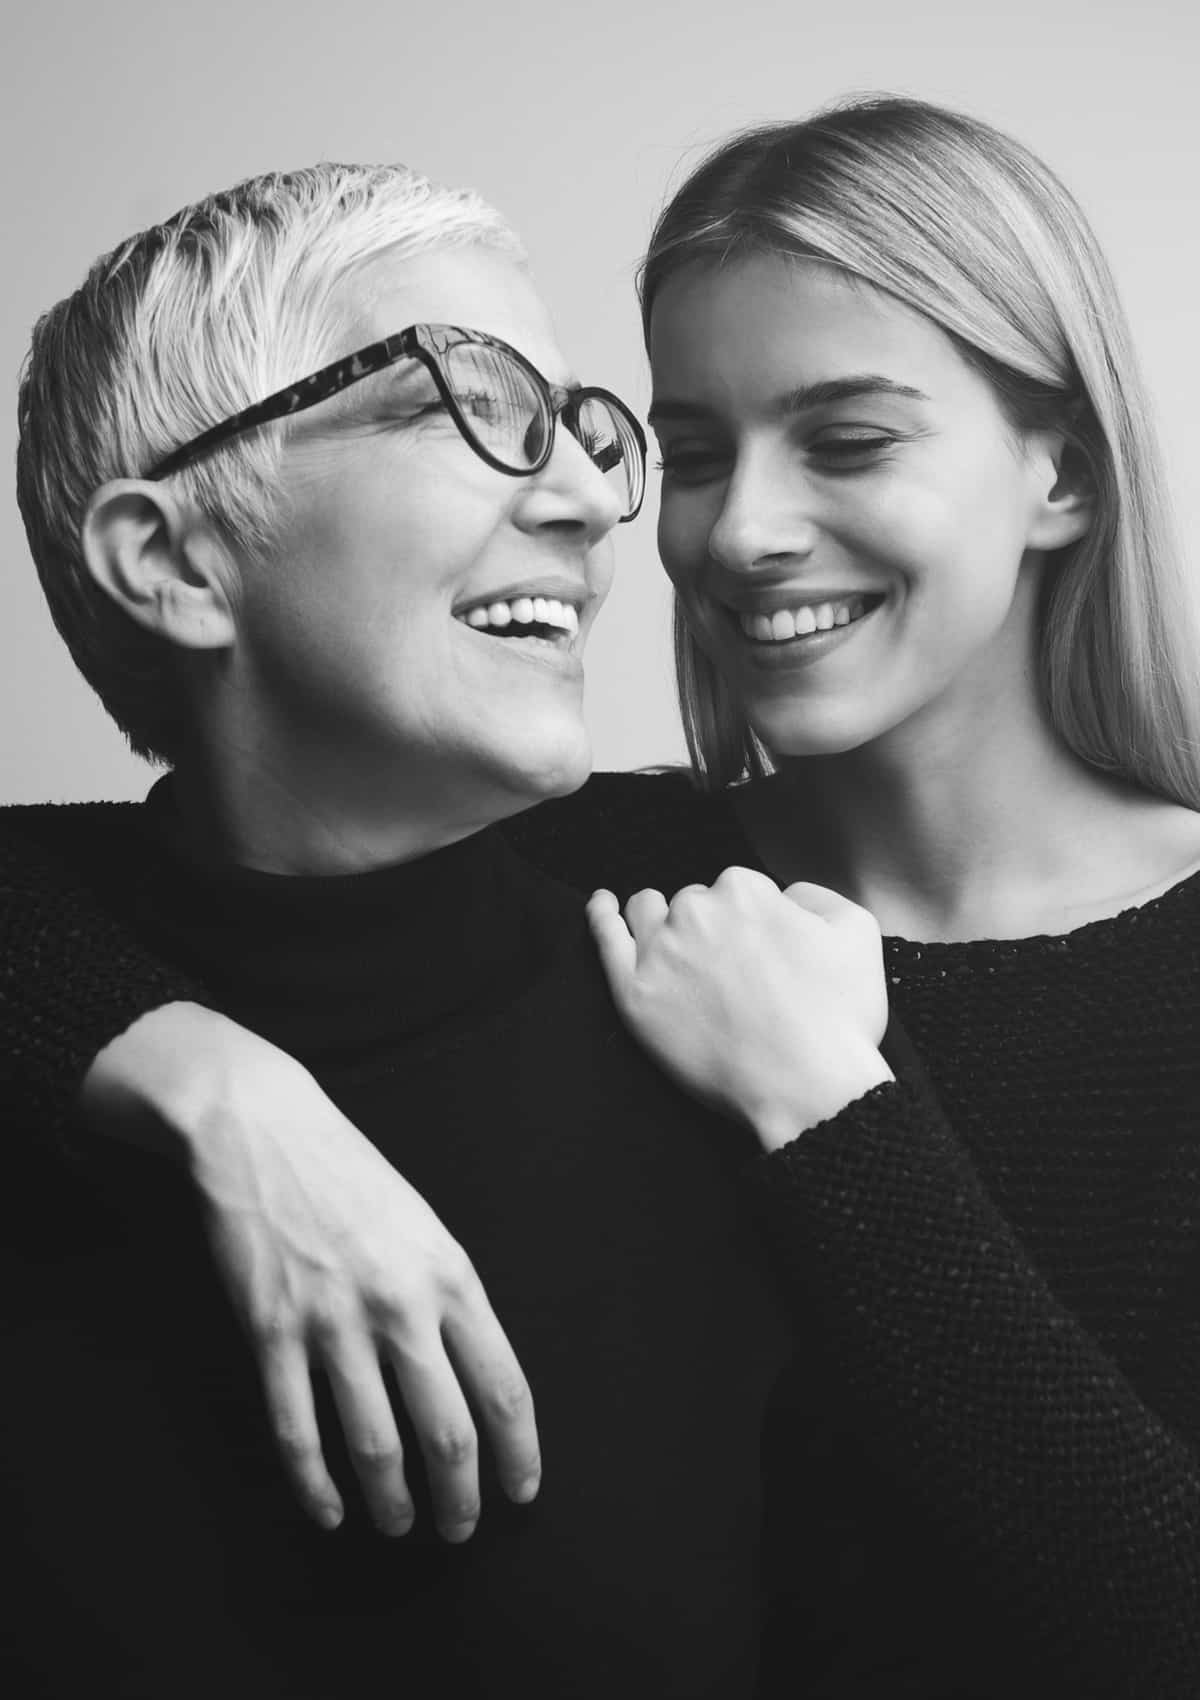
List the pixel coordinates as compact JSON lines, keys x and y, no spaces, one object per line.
{"x":331,"y":1319}
{"x":687,"y":900}
{"x":863,"y":922}
{"x":272,"y":1329}
{"x":375,"y":1452}
{"x":392,"y":1301}
{"x":451,"y":1448}
{"x":298,"y":1447}
{"x":743,"y":881}
{"x":457,"y":1277}
{"x":645,"y":908}
{"x":509,"y":1400}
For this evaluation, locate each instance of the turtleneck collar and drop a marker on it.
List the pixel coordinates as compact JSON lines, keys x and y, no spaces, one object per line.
{"x":339,"y":965}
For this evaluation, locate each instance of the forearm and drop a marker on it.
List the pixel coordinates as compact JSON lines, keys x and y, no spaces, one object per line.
{"x":1016,"y":1437}
{"x":72,"y":978}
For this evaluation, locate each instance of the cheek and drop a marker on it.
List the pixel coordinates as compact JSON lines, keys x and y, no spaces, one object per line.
{"x":893,"y":519}
{"x":684,"y":527}
{"x":328,"y":629}
{"x":316,"y":609}
{"x":363,"y":571}
{"x":939,"y":545}
{"x":602,"y":563}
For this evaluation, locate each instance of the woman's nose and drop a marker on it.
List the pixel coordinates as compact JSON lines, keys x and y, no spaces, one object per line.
{"x":762,"y":519}
{"x":571,"y":490}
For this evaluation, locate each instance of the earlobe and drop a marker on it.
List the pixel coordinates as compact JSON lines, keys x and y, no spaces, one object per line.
{"x":160,"y":567}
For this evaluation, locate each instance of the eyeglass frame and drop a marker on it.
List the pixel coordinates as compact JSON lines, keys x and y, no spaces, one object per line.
{"x":563,"y":401}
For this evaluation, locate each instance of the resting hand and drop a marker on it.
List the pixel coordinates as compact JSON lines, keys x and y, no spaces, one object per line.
{"x":332,"y":1261}
{"x":767,"y":1005}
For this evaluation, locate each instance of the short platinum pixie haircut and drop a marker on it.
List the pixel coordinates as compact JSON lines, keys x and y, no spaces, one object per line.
{"x":174,"y":330}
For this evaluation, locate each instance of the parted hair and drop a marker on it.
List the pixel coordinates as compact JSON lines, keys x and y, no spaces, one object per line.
{"x":176,"y":329}
{"x":959,"y":221}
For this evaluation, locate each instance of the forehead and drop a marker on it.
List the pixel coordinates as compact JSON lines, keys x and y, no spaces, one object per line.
{"x":474,"y":287}
{"x":766,"y":323}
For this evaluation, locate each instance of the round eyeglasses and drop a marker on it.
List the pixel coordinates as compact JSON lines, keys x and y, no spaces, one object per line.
{"x":500,"y":402}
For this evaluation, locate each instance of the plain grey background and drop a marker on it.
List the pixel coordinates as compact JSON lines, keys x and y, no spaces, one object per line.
{"x":574,"y":119}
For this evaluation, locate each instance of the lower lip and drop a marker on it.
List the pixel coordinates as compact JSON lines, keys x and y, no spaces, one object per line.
{"x":560,"y":658}
{"x":796,"y":652}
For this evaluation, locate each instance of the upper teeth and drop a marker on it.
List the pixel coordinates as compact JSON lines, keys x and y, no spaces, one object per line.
{"x":524,"y":611}
{"x":799,"y":622}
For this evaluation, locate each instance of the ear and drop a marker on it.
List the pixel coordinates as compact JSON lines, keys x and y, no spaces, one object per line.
{"x":1066,"y":500}
{"x":164,"y":567}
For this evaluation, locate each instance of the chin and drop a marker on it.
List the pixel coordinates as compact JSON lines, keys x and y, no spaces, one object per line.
{"x":546,"y":767}
{"x":814,"y":731}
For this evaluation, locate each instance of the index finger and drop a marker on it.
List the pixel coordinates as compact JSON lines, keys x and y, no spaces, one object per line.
{"x":614,"y":941}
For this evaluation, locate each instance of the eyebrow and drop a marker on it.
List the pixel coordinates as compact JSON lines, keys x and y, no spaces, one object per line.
{"x":394,"y":376}
{"x":803,"y":398}
{"x":378,"y":389}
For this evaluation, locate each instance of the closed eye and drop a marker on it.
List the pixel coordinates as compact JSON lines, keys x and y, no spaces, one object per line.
{"x":850,"y":451}
{"x":692,"y":465}
{"x":846,"y":452}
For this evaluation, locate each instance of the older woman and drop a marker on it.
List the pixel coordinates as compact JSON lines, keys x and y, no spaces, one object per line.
{"x":325,"y":519}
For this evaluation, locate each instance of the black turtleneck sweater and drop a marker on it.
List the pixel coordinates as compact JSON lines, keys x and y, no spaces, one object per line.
{"x":995,"y":1423}
{"x":455,"y":1010}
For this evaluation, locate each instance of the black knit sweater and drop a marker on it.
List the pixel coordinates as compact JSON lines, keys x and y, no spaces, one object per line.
{"x":997,"y":1272}
{"x":455,"y":1010}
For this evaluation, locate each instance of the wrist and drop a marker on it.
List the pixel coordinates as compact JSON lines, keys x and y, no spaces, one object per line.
{"x":158,"y":1084}
{"x":818,"y":1093}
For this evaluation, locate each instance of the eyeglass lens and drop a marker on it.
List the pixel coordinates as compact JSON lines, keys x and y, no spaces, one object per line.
{"x":510,"y":418}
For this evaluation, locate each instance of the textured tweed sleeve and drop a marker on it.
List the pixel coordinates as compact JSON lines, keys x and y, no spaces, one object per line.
{"x":71,"y":977}
{"x":1026,"y":1452}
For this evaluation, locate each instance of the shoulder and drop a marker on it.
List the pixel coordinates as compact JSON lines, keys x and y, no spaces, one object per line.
{"x":1167,"y":836}
{"x":38,"y":837}
{"x":65,"y":823}
{"x":627,"y":830}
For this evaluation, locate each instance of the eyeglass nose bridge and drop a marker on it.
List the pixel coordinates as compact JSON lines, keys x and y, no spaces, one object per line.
{"x":568,"y":404}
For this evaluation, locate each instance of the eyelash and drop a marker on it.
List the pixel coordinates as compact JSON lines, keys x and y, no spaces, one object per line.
{"x":852,"y":452}
{"x":863,"y":445}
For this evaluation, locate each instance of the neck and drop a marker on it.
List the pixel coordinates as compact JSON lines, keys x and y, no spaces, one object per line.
{"x":298,"y":806}
{"x":957,"y":824}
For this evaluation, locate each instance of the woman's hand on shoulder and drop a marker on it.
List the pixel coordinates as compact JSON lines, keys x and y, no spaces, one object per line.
{"x":767,"y":1005}
{"x":332,"y":1261}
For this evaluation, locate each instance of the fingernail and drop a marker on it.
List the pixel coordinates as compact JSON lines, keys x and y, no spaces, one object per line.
{"x":456,"y":1533}
{"x":524,"y":1491}
{"x":329,"y":1516}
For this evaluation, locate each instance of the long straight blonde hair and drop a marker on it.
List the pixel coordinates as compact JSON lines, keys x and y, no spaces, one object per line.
{"x":965,"y":225}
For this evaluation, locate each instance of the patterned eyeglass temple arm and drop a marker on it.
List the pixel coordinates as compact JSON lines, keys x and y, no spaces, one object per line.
{"x":339,"y":375}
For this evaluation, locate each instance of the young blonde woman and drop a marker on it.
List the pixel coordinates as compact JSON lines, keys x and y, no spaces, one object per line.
{"x":938,"y":662}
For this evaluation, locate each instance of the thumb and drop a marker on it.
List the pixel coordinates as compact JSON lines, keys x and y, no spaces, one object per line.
{"x":614,"y":941}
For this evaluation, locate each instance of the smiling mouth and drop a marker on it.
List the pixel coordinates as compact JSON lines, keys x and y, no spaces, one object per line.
{"x":542,"y":618}
{"x":806,"y":619}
